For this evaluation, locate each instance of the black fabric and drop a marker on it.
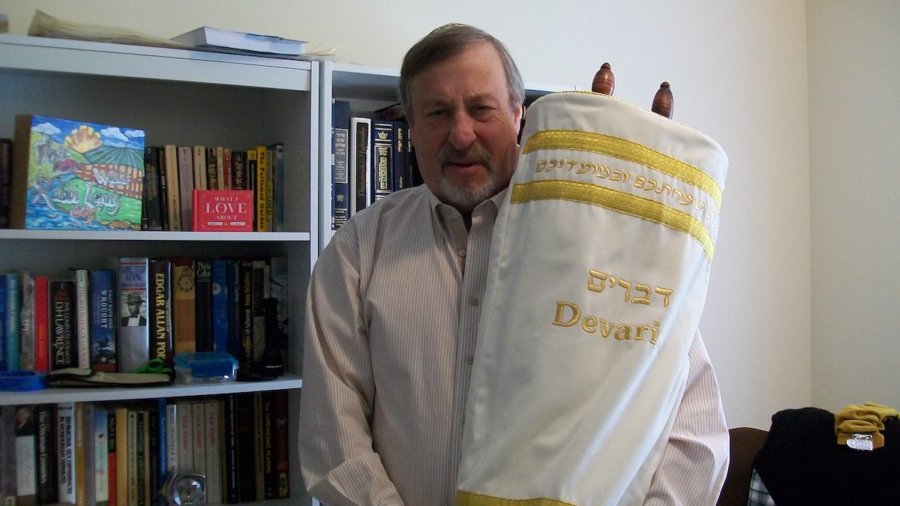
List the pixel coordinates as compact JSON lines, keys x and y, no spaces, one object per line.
{"x":802,"y":464}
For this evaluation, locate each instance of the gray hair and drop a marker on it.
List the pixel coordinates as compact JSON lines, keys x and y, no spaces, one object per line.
{"x":445,"y":42}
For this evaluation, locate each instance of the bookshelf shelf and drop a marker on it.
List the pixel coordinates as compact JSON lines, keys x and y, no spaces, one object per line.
{"x":78,"y":235}
{"x":57,"y":395}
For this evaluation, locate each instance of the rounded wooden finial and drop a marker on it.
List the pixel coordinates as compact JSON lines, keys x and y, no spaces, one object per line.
{"x":604,"y":80}
{"x":663,"y":102}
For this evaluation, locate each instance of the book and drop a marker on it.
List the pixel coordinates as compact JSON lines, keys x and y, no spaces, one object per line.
{"x":134,"y":331}
{"x":85,"y":477}
{"x":103,"y":320}
{"x":230,"y":424}
{"x":223,"y":211}
{"x":198,"y":436}
{"x":203,"y":304}
{"x":220,"y":168}
{"x":245,"y":438}
{"x":82,"y":318}
{"x":111,"y":456}
{"x":161,"y":316}
{"x":8,"y":455}
{"x":267,"y":453}
{"x":226,"y":162}
{"x":340,"y":170}
{"x":360,"y":163}
{"x":163,"y":187}
{"x":41,"y":323}
{"x":212,"y":434}
{"x":6,"y":149}
{"x":63,"y":348}
{"x":199,"y":165}
{"x":281,"y":444}
{"x":278,"y":291}
{"x":239,"y":170}
{"x":261,"y":187}
{"x":185,"y":420}
{"x":217,"y":38}
{"x":122,"y":454}
{"x":101,"y":456}
{"x":11,"y":317}
{"x":219,"y":303}
{"x":400,"y":169}
{"x":4,"y":316}
{"x":47,"y":483}
{"x":186,"y":183}
{"x":65,"y":451}
{"x":26,"y":461}
{"x":382,"y":158}
{"x":26,"y":321}
{"x":76,"y":175}
{"x":184,"y":304}
{"x":212,"y":169}
{"x":173,"y":185}
{"x":276,"y":166}
{"x":152,"y":201}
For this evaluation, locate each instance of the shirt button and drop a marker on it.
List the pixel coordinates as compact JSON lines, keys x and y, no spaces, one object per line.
{"x":461,"y":252}
{"x":474,"y":301}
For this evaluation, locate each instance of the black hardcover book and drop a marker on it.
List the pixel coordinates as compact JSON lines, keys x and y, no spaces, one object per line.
{"x":382,"y":158}
{"x":399,"y":170}
{"x":280,"y":444}
{"x":152,"y":210}
{"x":245,"y":358}
{"x":246,"y":447}
{"x":6,"y":149}
{"x":268,"y":445}
{"x":203,"y":304}
{"x":48,"y":486}
{"x":161,"y":311}
{"x":229,"y":446}
{"x":340,"y":165}
{"x":63,"y":347}
{"x":163,"y":188}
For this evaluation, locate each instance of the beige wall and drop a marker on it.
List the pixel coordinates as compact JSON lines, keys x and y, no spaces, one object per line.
{"x":739,"y":74}
{"x":854,"y":125}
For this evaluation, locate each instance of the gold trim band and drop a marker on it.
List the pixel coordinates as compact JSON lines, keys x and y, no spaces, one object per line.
{"x":472,"y":499}
{"x":629,"y":151}
{"x":617,"y":201}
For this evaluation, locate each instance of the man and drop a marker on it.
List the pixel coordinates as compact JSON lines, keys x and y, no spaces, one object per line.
{"x":394,"y":303}
{"x":134,"y":318}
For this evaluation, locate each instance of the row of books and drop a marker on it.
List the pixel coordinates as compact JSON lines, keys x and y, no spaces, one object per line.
{"x":172,"y":173}
{"x":63,"y":174}
{"x":105,"y":454}
{"x":371,"y":157}
{"x":116,"y":319}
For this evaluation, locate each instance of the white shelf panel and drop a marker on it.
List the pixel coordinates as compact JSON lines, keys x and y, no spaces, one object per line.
{"x":57,"y":395}
{"x":84,"y":235}
{"x":144,"y":62}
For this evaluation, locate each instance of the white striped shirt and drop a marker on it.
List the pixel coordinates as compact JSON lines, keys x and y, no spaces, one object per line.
{"x":392,"y":316}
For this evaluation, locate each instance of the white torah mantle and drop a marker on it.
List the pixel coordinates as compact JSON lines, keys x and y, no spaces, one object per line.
{"x":599,"y":270}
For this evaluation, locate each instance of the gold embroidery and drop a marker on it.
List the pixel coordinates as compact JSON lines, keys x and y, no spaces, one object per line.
{"x":464,"y":498}
{"x":568,"y":314}
{"x":617,"y":201}
{"x":593,"y":285}
{"x":624,"y":150}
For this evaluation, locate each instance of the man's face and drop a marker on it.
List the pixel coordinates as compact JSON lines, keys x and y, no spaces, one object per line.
{"x":463,"y":127}
{"x":134,"y":308}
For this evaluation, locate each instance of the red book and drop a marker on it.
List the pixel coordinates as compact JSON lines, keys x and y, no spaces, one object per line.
{"x":223,"y":210}
{"x":41,"y":324}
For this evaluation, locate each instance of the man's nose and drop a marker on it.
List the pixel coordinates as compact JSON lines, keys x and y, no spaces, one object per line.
{"x":462,"y":130}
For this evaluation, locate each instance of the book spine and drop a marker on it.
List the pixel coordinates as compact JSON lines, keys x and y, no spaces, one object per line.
{"x":252,"y":183}
{"x":212,"y":433}
{"x":281,"y":444}
{"x":173,"y":187}
{"x":140,"y":445}
{"x":235,"y":329}
{"x":85,"y":485}
{"x":399,"y":169}
{"x":26,"y":321}
{"x":26,"y":459}
{"x":151,"y":200}
{"x":245,"y":358}
{"x":47,"y":483}
{"x":220,"y":168}
{"x":340,"y":169}
{"x":185,"y":437}
{"x":260,"y":280}
{"x":4,"y":354}
{"x":227,"y":164}
{"x":152,"y":473}
{"x":163,"y":188}
{"x":123,"y":453}
{"x":6,"y":149}
{"x":239,"y":170}
{"x":162,"y":334}
{"x":262,"y":182}
{"x":134,"y":332}
{"x":203,"y":304}
{"x":183,"y":299}
{"x":41,"y":324}
{"x":198,"y":436}
{"x":259,"y":430}
{"x":278,"y":290}
{"x":101,"y":457}
{"x":82,"y":317}
{"x":162,"y":442}
{"x":63,"y":349}
{"x":111,"y":456}
{"x":65,"y":434}
{"x":132,"y":487}
{"x":382,"y":158}
{"x":212,"y":171}
{"x":230,"y":447}
{"x":276,"y":161}
{"x":8,"y":455}
{"x":360,"y":163}
{"x":103,"y":320}
{"x":12,"y":322}
{"x":172,"y":437}
{"x":186,"y":182}
{"x":246,"y":447}
{"x":219,"y":303}
{"x":269,"y":484}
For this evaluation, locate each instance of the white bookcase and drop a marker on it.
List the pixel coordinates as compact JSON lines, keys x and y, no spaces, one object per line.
{"x":177,"y":97}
